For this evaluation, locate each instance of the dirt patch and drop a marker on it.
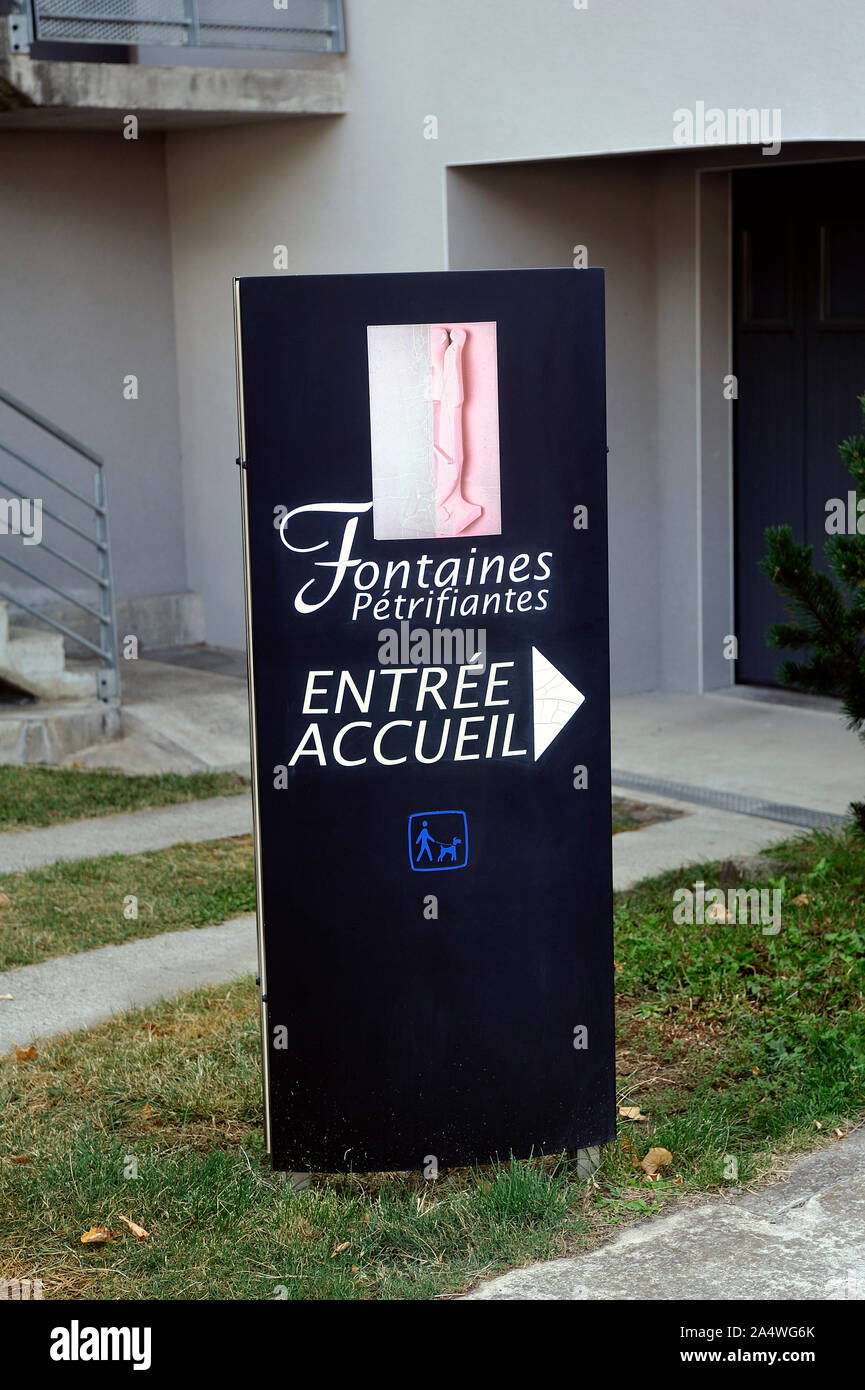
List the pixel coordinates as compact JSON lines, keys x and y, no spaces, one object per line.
{"x":634,"y":815}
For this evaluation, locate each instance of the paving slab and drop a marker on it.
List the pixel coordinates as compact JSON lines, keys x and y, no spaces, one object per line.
{"x":129,"y":833}
{"x":75,"y":992}
{"x":798,"y":1239}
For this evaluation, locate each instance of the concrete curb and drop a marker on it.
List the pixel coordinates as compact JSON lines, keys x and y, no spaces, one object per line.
{"x":798,"y":1239}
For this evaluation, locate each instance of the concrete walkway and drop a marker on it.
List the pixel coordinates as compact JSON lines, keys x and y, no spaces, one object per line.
{"x":177,"y":718}
{"x":799,"y":1239}
{"x":799,"y":754}
{"x":745,"y":750}
{"x":75,"y":992}
{"x":130,"y":833}
{"x":703,"y":833}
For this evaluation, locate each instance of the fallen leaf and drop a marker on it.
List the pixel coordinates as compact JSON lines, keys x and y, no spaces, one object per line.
{"x":717,"y":912}
{"x":655,"y":1159}
{"x":355,"y":1269}
{"x":7,"y":996}
{"x":817,"y":1124}
{"x":755,"y":1071}
{"x":801,"y":900}
{"x":97,"y":1235}
{"x":25,"y":1054}
{"x":20,"y":1158}
{"x":138,"y":1231}
{"x":616,"y":965}
{"x":677,"y":1182}
{"x":344,"y":1246}
{"x":632,"y":1112}
{"x":147,"y":1111}
{"x":5,"y":900}
{"x":839,"y":1133}
{"x":652,"y":1177}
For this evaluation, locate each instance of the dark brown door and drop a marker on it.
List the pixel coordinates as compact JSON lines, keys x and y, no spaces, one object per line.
{"x":799,"y":358}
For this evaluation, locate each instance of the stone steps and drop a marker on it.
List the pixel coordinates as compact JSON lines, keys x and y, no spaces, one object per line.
{"x":33,"y":660}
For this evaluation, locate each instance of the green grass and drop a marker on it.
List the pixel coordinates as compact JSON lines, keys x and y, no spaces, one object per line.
{"x":177,"y":1087}
{"x":739,"y":1041}
{"x":732,"y":1043}
{"x":34,"y":796}
{"x":74,"y":906}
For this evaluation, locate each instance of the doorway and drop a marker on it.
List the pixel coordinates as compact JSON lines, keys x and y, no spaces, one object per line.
{"x":799,"y":360}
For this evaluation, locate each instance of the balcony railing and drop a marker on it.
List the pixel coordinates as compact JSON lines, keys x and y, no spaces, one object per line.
{"x":312,"y":26}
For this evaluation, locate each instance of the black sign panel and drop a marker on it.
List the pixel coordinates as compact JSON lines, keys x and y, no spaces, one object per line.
{"x":423,"y":465}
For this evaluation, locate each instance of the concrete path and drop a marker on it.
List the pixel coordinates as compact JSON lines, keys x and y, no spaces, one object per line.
{"x":75,"y":992}
{"x":199,"y":716}
{"x":799,"y":1239}
{"x":130,"y":833}
{"x":701,"y":834}
{"x":177,"y":718}
{"x":800,"y":755}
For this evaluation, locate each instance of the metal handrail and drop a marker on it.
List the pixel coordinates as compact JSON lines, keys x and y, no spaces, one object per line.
{"x":50,"y":428}
{"x":58,"y":482}
{"x":53,"y":622}
{"x":46,"y":511}
{"x":106,"y":648}
{"x":197,"y":26}
{"x":55,"y":588}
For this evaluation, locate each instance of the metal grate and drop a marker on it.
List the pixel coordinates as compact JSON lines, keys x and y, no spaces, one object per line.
{"x":112,"y":21}
{"x":314,"y":26}
{"x":729,"y":801}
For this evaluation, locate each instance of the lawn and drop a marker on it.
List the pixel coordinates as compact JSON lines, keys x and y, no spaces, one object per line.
{"x":88,"y":902}
{"x":77,"y":905}
{"x":732,"y":1045}
{"x":33,"y":796}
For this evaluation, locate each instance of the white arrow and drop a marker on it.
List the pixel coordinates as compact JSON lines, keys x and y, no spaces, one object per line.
{"x":554,"y":701}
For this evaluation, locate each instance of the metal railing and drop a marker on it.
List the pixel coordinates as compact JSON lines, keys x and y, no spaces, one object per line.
{"x":312,"y":26}
{"x":103,"y":614}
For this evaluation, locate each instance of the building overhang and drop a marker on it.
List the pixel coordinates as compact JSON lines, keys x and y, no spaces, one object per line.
{"x":40,"y":94}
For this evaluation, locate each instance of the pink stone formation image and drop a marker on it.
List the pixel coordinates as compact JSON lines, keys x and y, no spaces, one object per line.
{"x":434,"y":436}
{"x":453,"y":513}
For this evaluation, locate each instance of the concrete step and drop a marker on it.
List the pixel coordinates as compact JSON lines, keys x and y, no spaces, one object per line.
{"x":49,"y":731}
{"x":34,"y":660}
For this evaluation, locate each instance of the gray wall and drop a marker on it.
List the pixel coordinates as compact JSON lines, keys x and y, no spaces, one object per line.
{"x":86,"y":293}
{"x":534,"y":215}
{"x":364,"y":192}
